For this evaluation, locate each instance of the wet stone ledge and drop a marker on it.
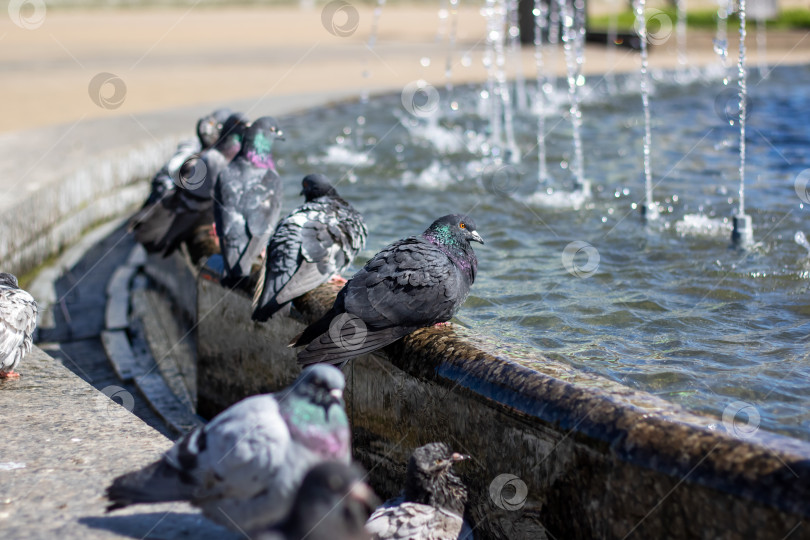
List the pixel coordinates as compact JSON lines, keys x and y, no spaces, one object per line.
{"x":597,"y":459}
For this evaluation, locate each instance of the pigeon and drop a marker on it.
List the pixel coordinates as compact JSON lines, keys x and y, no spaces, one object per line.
{"x":316,"y":241}
{"x":243,"y":468}
{"x":174,"y":220}
{"x":209,"y":128}
{"x":416,"y":282}
{"x":431,"y":505}
{"x":166,"y":179}
{"x":333,"y":503}
{"x":18,"y":318}
{"x":247,"y":200}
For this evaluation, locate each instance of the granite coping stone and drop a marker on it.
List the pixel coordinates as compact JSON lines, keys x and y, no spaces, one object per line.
{"x":63,"y":442}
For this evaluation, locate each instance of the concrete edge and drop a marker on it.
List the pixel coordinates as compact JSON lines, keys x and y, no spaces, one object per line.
{"x":638,"y":427}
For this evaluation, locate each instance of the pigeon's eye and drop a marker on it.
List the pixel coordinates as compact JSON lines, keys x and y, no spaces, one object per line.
{"x":462,"y":225}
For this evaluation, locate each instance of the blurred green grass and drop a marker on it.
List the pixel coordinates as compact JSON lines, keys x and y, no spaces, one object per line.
{"x":788,"y":19}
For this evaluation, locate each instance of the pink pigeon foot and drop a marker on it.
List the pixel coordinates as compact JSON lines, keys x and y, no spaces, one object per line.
{"x":442,"y":324}
{"x":338,"y":280}
{"x":9,"y":375}
{"x":213,"y":231}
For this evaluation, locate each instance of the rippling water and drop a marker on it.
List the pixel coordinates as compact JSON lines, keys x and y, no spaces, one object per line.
{"x":671,"y":307}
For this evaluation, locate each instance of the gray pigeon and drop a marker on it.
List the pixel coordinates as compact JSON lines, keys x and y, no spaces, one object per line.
{"x":18,"y":318}
{"x":431,"y":506}
{"x":247,"y":200}
{"x":175,"y":219}
{"x":416,"y":282}
{"x":245,"y":466}
{"x":167,"y":178}
{"x":333,"y":503}
{"x":316,"y":241}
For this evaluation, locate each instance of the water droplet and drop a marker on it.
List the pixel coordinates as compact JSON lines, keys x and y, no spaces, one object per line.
{"x":425,"y":61}
{"x":361,"y":120}
{"x":347,"y":130}
{"x":604,"y":219}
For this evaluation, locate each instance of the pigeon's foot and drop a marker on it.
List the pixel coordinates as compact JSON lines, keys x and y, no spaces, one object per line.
{"x":9,"y":375}
{"x":213,"y":230}
{"x":443,"y":324}
{"x":338,"y":280}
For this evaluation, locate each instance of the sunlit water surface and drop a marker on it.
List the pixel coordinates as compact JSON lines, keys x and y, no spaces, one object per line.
{"x":671,"y":310}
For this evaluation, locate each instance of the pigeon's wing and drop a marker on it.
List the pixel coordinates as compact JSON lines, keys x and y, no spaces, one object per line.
{"x":18,"y":318}
{"x":315,"y":242}
{"x":231,"y":223}
{"x":408,"y":285}
{"x":413,"y":520}
{"x":238,"y":455}
{"x":261,"y":204}
{"x":283,"y":260}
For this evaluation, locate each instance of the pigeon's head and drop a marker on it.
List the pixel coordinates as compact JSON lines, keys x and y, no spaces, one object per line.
{"x":210,"y":127}
{"x":8,"y":280}
{"x":430,"y":478}
{"x":454,"y":230}
{"x":261,"y":134}
{"x":333,"y":493}
{"x":233,"y":131}
{"x":316,"y":185}
{"x":322,"y":385}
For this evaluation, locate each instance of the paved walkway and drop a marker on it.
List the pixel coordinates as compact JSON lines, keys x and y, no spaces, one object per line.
{"x":63,"y":443}
{"x":163,"y":58}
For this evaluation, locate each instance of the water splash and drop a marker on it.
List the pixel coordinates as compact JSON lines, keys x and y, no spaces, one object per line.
{"x":801,"y":239}
{"x":650,"y":209}
{"x":364,"y":93}
{"x":451,"y":48}
{"x":612,"y":36}
{"x":513,"y":32}
{"x":721,"y":36}
{"x":680,"y":38}
{"x":504,"y":147}
{"x":541,"y":14}
{"x":573,"y":19}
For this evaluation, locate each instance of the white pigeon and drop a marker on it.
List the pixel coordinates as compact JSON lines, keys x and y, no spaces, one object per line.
{"x":244,"y":467}
{"x":18,"y":318}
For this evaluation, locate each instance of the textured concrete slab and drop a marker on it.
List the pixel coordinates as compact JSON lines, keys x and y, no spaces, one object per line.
{"x":63,"y":442}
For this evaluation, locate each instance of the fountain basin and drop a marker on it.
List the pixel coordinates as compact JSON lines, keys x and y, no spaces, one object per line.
{"x":598,"y":459}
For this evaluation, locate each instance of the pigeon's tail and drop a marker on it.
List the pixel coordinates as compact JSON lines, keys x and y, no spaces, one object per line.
{"x":314,"y":330}
{"x":347,"y":343}
{"x":258,"y":293}
{"x":159,"y":482}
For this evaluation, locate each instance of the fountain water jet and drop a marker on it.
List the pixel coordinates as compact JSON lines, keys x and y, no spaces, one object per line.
{"x":573,"y":16}
{"x":742,"y":232}
{"x":540,"y":13}
{"x":649,"y":210}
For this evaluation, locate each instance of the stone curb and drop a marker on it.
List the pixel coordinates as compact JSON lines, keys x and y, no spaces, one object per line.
{"x":139,"y":369}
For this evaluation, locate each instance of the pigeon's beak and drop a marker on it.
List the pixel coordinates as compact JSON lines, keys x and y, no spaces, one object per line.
{"x":337,"y":393}
{"x":280,"y":135}
{"x":458,"y":457}
{"x":361,"y":492}
{"x":302,"y":192}
{"x":476,"y":237}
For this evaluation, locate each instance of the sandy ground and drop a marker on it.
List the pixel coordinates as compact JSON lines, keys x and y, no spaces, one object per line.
{"x":163,"y":58}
